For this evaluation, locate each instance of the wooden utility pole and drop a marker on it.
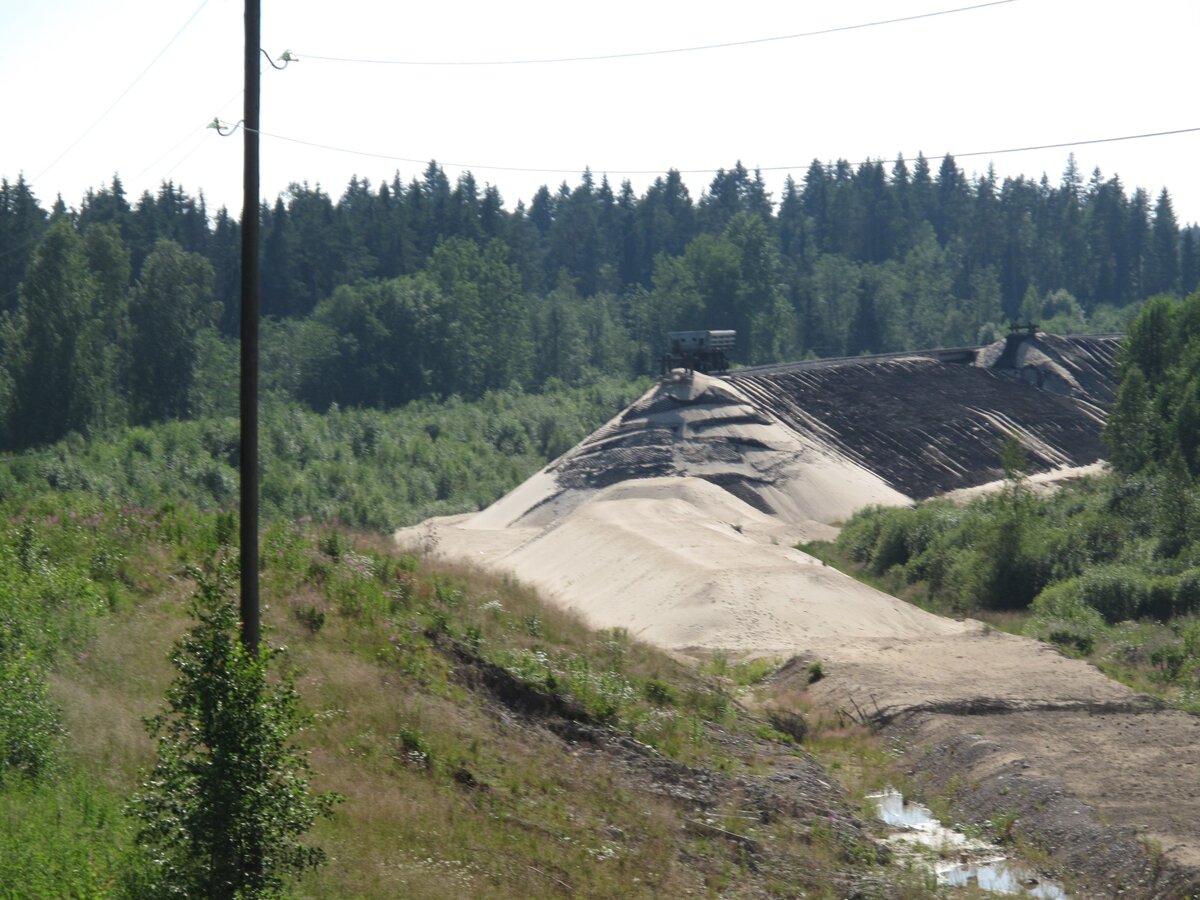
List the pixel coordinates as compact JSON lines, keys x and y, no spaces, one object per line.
{"x":249,"y":336}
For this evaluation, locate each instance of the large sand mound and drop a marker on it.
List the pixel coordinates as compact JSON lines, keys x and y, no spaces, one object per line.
{"x":681,"y":563}
{"x":706,"y":429}
{"x":676,"y":520}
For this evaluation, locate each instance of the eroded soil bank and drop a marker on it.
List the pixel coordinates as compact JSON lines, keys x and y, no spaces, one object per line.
{"x":1096,"y":784}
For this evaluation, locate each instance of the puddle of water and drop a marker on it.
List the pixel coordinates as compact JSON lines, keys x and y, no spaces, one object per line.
{"x":1002,"y":876}
{"x":979,"y":863}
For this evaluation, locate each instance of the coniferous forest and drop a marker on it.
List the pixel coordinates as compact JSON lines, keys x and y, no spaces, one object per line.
{"x":124,"y":311}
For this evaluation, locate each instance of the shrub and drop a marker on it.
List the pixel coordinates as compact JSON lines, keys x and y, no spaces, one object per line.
{"x":891,"y":548}
{"x":1081,"y":643}
{"x":793,"y":724}
{"x":1187,"y":592}
{"x":815,"y":671}
{"x":1061,"y":617}
{"x":860,"y":534}
{"x":660,"y":693}
{"x":28,"y":723}
{"x":311,"y":617}
{"x":1116,"y":592}
{"x":1159,"y":599}
{"x":223,"y":811}
{"x":1063,"y":602}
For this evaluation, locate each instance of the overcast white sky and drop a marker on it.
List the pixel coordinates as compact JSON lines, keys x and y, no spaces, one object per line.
{"x":1020,"y":73}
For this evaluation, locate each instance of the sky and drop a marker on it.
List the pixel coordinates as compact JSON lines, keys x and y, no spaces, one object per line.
{"x":128,"y":87}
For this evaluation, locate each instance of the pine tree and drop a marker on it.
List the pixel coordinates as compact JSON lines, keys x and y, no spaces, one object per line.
{"x":279,"y":286}
{"x":865,"y":335}
{"x":1189,"y":260}
{"x":107,"y":206}
{"x":22,"y":224}
{"x":225,"y":254}
{"x":1162,"y":276}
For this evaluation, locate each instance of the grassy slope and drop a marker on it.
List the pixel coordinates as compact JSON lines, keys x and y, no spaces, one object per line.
{"x":487,"y":744}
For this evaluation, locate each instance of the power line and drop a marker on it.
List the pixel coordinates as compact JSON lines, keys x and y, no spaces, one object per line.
{"x":132,"y":85}
{"x":192,"y":133}
{"x":187,"y":137}
{"x":639,"y":53}
{"x":179,"y":162}
{"x":575,"y":171}
{"x":1109,"y":140}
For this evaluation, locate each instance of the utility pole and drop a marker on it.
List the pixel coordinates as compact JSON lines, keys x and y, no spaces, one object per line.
{"x":249,"y":336}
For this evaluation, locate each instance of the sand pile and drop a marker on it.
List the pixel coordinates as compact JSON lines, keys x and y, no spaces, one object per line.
{"x":703,"y":428}
{"x":677,"y":521}
{"x":930,"y":423}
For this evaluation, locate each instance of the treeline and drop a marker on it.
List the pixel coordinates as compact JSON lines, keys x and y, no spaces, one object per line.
{"x":117,"y":312}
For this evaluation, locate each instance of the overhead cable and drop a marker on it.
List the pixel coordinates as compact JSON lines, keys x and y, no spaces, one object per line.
{"x":1108,"y":140}
{"x":576,"y":171}
{"x":664,"y":52}
{"x":192,"y":133}
{"x":132,"y":85}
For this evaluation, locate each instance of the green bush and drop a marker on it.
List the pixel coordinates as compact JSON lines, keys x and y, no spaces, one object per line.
{"x":364,"y":467}
{"x":1159,"y":599}
{"x":1116,"y":592}
{"x":860,"y":535}
{"x":223,"y":813}
{"x":1083,"y":644}
{"x":1187,"y":592}
{"x":891,"y":546}
{"x":1064,"y":602}
{"x":1061,"y":617}
{"x":29,"y":724}
{"x":660,"y":692}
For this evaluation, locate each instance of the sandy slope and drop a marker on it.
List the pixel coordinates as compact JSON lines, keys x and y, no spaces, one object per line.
{"x":681,"y":563}
{"x":677,"y":521}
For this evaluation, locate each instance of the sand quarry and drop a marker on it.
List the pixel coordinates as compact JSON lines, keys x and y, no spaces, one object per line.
{"x":677,"y":521}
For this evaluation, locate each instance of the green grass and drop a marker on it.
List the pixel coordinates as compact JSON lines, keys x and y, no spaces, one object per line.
{"x":448,"y":790}
{"x":65,"y":838}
